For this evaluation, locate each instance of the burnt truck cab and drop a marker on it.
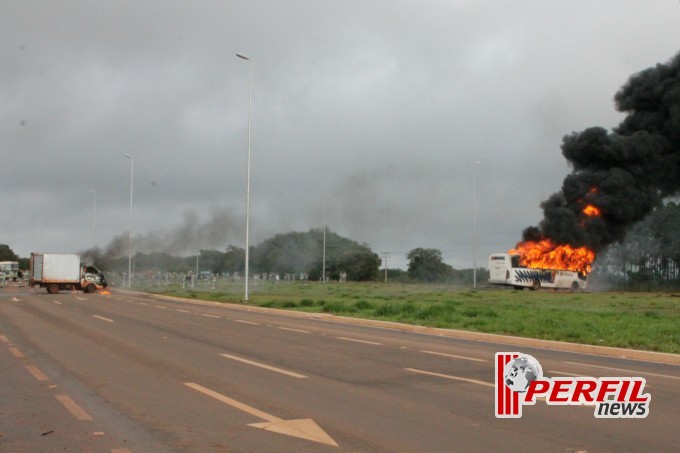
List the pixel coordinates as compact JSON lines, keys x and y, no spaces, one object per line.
{"x":505,"y":269}
{"x":92,"y":276}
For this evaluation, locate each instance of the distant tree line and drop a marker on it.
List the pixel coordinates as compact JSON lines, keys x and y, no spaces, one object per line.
{"x":649,"y":258}
{"x":291,"y":253}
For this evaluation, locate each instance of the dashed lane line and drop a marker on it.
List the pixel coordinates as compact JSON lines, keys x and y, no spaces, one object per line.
{"x":454,"y":356}
{"x":75,"y":410}
{"x":210,"y":316}
{"x":266,"y":367}
{"x":625,"y":371}
{"x":454,"y":378}
{"x":103,"y":318}
{"x":293,"y":330}
{"x":243,"y":321}
{"x":359,"y":341}
{"x":39,"y":375}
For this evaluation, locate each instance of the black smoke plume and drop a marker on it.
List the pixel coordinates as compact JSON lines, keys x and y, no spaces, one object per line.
{"x":625,"y":173}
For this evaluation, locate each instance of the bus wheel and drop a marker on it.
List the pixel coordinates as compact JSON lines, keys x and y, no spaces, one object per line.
{"x":535,"y":285}
{"x":574,"y":286}
{"x":53,"y":288}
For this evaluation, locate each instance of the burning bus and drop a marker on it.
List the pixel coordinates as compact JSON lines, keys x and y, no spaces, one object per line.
{"x":541,"y":264}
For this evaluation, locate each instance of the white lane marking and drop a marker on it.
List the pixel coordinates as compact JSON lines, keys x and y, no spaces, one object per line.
{"x":18,"y":354}
{"x":359,"y":341}
{"x":209,"y":316}
{"x":454,"y":356}
{"x":162,"y":307}
{"x":103,"y":318}
{"x":304,"y":428}
{"x":4,"y":339}
{"x":39,"y":375}
{"x":293,"y":330}
{"x":81,"y":298}
{"x":14,"y":299}
{"x":247,"y":322}
{"x":73,"y":408}
{"x":266,"y":367}
{"x":637,"y":373}
{"x":183,"y":311}
{"x":143,"y":303}
{"x":455,"y":378}
{"x":56,"y":302}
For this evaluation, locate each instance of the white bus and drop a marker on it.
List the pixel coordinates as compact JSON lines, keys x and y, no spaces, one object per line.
{"x":505,"y":270}
{"x":10,"y":269}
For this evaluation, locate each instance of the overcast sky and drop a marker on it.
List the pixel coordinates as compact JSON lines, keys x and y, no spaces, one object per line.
{"x":379,"y":108}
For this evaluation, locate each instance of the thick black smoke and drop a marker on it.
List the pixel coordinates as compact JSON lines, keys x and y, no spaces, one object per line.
{"x":625,"y":173}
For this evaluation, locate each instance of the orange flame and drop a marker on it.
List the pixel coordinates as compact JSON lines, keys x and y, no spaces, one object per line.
{"x":545,"y":254}
{"x":592,"y":211}
{"x":103,"y":291}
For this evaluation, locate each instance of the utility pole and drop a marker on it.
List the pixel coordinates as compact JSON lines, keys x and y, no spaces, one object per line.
{"x":385,"y":255}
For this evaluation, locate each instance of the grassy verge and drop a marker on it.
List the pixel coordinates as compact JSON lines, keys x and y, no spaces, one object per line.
{"x":647,"y":321}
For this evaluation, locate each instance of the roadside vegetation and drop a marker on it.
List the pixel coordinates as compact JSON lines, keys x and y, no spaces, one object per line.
{"x":647,"y":321}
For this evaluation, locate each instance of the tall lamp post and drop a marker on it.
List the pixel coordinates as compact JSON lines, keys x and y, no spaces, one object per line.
{"x":132,"y":173}
{"x":474,"y":225}
{"x":250,"y":122}
{"x":94,"y":218}
{"x":323,"y":262}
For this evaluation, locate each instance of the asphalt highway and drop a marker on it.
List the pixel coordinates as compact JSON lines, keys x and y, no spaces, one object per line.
{"x":127,"y":372}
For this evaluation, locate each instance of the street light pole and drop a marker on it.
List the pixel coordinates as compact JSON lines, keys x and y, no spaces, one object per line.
{"x":323,"y":265}
{"x":94,"y":218}
{"x":250,"y":122}
{"x":132,"y":173}
{"x":474,"y":225}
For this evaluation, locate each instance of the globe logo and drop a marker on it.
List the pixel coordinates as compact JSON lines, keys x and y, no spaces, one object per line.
{"x":521,"y":371}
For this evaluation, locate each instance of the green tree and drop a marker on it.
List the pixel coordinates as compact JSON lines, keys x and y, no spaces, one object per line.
{"x":6,"y":253}
{"x":426,"y":265}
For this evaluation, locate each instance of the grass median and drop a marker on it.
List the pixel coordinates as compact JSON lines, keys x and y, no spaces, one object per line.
{"x":646,"y":321}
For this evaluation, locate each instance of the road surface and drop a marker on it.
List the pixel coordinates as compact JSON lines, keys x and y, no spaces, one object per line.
{"x":127,"y":372}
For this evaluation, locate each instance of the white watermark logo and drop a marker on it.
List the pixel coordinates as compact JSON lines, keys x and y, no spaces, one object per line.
{"x":520,"y":381}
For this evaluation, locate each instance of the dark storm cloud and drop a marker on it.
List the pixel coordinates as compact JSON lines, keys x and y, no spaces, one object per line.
{"x":395,"y":97}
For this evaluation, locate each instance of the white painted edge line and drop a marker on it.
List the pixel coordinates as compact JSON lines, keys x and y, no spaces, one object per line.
{"x":247,"y":322}
{"x":455,"y":378}
{"x":454,"y":356}
{"x":359,"y":341}
{"x":266,"y":367}
{"x":209,"y":316}
{"x":103,"y":318}
{"x":293,"y":330}
{"x":626,"y":371}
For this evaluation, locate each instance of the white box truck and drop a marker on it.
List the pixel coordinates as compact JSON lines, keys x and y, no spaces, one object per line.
{"x":505,"y":269}
{"x":63,"y":271}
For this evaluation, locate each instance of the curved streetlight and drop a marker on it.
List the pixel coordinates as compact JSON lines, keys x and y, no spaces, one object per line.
{"x":474,"y":225}
{"x":132,"y":172}
{"x":250,"y":121}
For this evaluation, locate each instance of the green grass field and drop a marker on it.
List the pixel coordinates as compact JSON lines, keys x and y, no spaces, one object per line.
{"x":647,"y":321}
